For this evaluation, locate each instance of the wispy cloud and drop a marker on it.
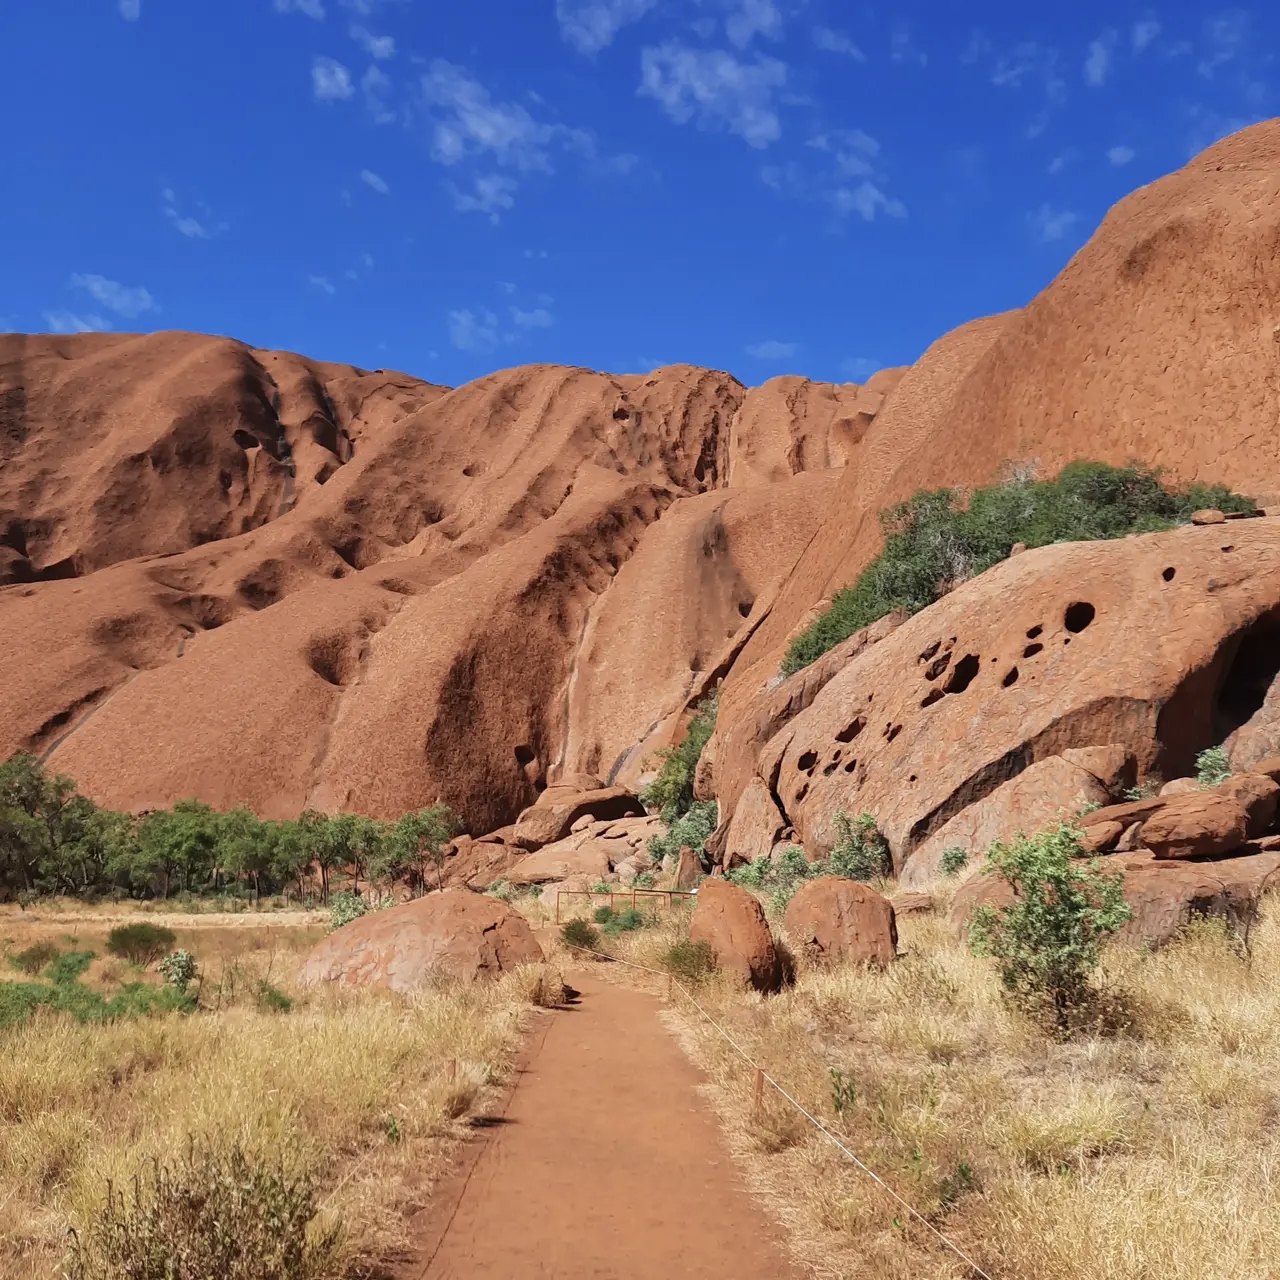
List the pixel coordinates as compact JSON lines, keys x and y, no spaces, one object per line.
{"x":715,"y":89}
{"x":490,"y":193}
{"x":310,"y":8}
{"x":371,"y":179}
{"x":1120,"y":155}
{"x":753,"y":18}
{"x":590,"y":25}
{"x":853,"y":183}
{"x":376,"y":86}
{"x":330,"y":80}
{"x":860,"y":367}
{"x":473,"y":330}
{"x":836,"y":42}
{"x":539,"y":318}
{"x":130,"y":10}
{"x":1225,"y":37}
{"x":186,"y":225}
{"x":69,"y":322}
{"x":1097,"y":64}
{"x":374,"y":46}
{"x":772,"y":349}
{"x":122,"y":299}
{"x":1144,"y":34}
{"x":323,"y":283}
{"x":1050,"y":225}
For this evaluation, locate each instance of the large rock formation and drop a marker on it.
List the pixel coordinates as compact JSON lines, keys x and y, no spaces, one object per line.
{"x":731,"y":922}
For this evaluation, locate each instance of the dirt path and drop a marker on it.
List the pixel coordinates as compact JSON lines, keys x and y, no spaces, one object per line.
{"x":605,"y":1164}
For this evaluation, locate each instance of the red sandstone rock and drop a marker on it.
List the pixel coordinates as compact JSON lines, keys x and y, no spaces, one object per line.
{"x":755,"y":827}
{"x":455,"y":933}
{"x":834,"y":919}
{"x":541,"y":825}
{"x":1259,"y":795}
{"x":1197,"y":824}
{"x":688,"y":869}
{"x":1113,"y":766}
{"x":582,"y":854}
{"x":731,"y":921}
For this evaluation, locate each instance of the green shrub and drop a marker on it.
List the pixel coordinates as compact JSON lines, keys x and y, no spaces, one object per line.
{"x":344,"y":908}
{"x":140,"y":943}
{"x":178,"y":969}
{"x":578,"y":933}
{"x":68,"y":966}
{"x":210,"y":1215}
{"x":272,"y":998}
{"x":671,"y":792}
{"x":625,"y":921}
{"x":1212,"y":767}
{"x":860,"y":851}
{"x":692,"y":961}
{"x":34,"y":958}
{"x":936,"y":540}
{"x":690,"y":830}
{"x":19,"y":1000}
{"x":1048,"y":942}
{"x":602,"y":915}
{"x":781,"y":875}
{"x":953,"y":860}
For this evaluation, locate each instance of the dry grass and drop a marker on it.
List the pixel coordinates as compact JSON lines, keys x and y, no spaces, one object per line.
{"x":1149,"y":1148}
{"x":322,"y":1087}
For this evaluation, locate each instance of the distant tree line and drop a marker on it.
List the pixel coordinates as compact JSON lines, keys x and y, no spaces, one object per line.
{"x":53,"y":840}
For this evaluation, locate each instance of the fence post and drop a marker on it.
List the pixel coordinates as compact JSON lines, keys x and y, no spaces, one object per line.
{"x":757,"y":1096}
{"x":453,"y":1070}
{"x":557,"y":906}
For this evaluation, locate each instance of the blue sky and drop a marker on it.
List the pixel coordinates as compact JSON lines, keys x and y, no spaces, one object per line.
{"x":448,"y":187}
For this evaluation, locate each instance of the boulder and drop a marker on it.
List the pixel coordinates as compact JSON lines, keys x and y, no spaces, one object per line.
{"x":979,"y":890}
{"x":542,"y":825}
{"x":1113,"y":766}
{"x":732,"y":922}
{"x":582,"y":854}
{"x":1209,"y":515}
{"x":1179,"y":787}
{"x":910,"y":903}
{"x":755,"y":826}
{"x":1052,"y":791}
{"x":834,"y":919}
{"x":688,"y":869}
{"x":704,"y":775}
{"x":1128,"y":812}
{"x":477,"y":863}
{"x":568,"y":786}
{"x":1102,"y":837}
{"x":1198,"y":824}
{"x":1259,"y":795}
{"x":462,"y":935}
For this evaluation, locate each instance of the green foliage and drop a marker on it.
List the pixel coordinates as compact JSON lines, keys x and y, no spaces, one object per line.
{"x":860,"y":851}
{"x":140,"y":943}
{"x":936,"y":540}
{"x":344,"y":908}
{"x":1048,"y":941}
{"x":34,"y":958}
{"x":64,"y":993}
{"x":602,"y":915}
{"x":844,"y":1092}
{"x":959,"y":1182}
{"x":624,"y":921}
{"x":690,"y":829}
{"x":212,"y":1214}
{"x":671,"y":792}
{"x":178,"y":969}
{"x":953,"y":860}
{"x":578,"y":933}
{"x":1212,"y":767}
{"x":272,"y":998}
{"x":692,"y":961}
{"x":68,"y":967}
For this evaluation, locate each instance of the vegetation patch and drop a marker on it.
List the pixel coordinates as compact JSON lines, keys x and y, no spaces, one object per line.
{"x":671,"y":792}
{"x":940,"y":538}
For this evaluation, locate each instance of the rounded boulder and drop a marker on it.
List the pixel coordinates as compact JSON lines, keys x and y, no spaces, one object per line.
{"x":835,"y":919}
{"x":731,"y":921}
{"x":456,"y":933}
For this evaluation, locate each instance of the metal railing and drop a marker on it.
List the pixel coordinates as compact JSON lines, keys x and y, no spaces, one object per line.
{"x":611,"y":894}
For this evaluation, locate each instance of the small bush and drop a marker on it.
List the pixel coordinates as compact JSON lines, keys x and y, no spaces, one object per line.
{"x":692,"y":961}
{"x":671,"y":792}
{"x":344,"y":908}
{"x":954,"y":860}
{"x":272,"y":998}
{"x":690,"y":829}
{"x":1212,"y":767}
{"x":68,"y":967}
{"x":178,"y":969}
{"x":578,"y":933}
{"x":625,"y":921}
{"x":1048,"y":942}
{"x":860,"y":851}
{"x":140,"y":943}
{"x":34,"y":958}
{"x":211,"y":1215}
{"x":602,"y":915}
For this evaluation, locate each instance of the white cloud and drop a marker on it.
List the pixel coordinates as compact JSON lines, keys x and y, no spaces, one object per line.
{"x":1098,"y":63}
{"x":131,"y":10}
{"x":851,"y":181}
{"x":1144,"y":34}
{"x":1051,"y":224}
{"x":867,"y":200}
{"x":714,"y":88}
{"x":330,"y":80}
{"x":1120,"y":155}
{"x":755,"y":17}
{"x":376,"y":85}
{"x":67,"y":322}
{"x":540,"y":318}
{"x":113,"y":295}
{"x":374,"y":46}
{"x":590,"y":25}
{"x":836,"y":42}
{"x":371,"y":179}
{"x":772,"y":349}
{"x":323,"y":283}
{"x":1225,"y":35}
{"x":473,"y":330}
{"x":311,"y":8}
{"x":1058,"y":163}
{"x":490,"y":192}
{"x":184,"y":224}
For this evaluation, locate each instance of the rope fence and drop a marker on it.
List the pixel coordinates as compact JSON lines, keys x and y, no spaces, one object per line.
{"x":762,"y":1077}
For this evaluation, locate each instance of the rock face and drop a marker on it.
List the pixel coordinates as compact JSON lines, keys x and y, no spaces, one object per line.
{"x":755,"y":827}
{"x":1197,"y":824}
{"x":544,"y":824}
{"x":732,"y":923}
{"x":833,"y":920}
{"x":455,"y":933}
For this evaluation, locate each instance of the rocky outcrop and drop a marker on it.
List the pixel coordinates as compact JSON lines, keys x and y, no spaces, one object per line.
{"x":456,"y":934}
{"x":835,"y":920}
{"x":544,"y":824}
{"x":731,"y":921}
{"x":754,"y":828}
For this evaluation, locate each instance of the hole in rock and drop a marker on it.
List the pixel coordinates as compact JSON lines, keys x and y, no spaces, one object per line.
{"x":540,"y":785}
{"x":800,"y":795}
{"x":333,"y":659}
{"x":851,"y":731}
{"x":831,"y":768}
{"x":1078,"y":616}
{"x":934,"y":695}
{"x":912,"y":778}
{"x":744,"y":608}
{"x":245,"y":439}
{"x":893,"y":733}
{"x":1168,"y":574}
{"x":1252,"y":671}
{"x":850,"y":766}
{"x":468,"y":470}
{"x":937,"y":667}
{"x":525,"y":755}
{"x":1229,"y":547}
{"x":1034,"y":631}
{"x":1031,"y":650}
{"x":1010,"y":678}
{"x":930,"y":651}
{"x":963,"y":675}
{"x":807,"y":761}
